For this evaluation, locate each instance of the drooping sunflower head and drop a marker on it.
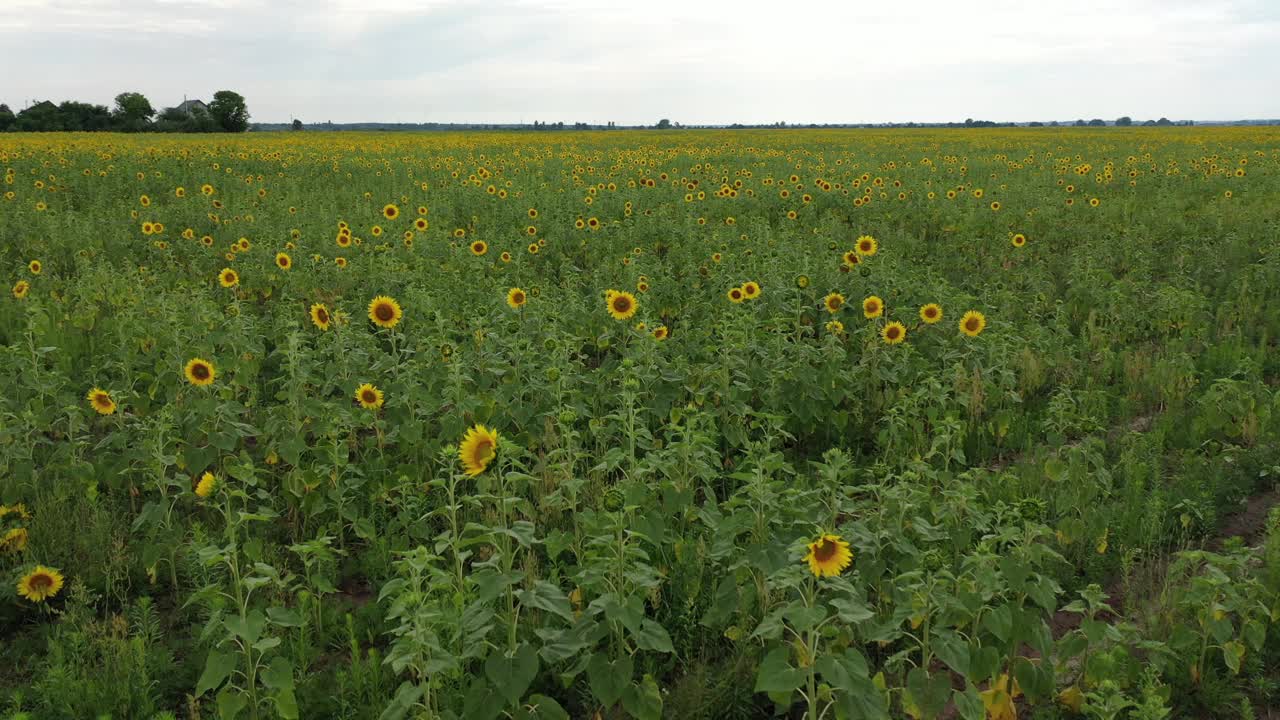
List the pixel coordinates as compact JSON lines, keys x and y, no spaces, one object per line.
{"x":320,"y":316}
{"x":867,"y":245}
{"x":751,"y":290}
{"x":931,"y":313}
{"x":479,"y":247}
{"x":205,"y":485}
{"x":894,"y":333}
{"x":516,"y":298}
{"x":973,"y":323}
{"x":283,"y":261}
{"x":661,"y":333}
{"x":833,"y":302}
{"x":621,"y":305}
{"x":384,"y":311}
{"x":101,"y":401}
{"x":40,"y":584}
{"x":228,"y":278}
{"x":872,"y":307}
{"x":828,"y":556}
{"x":369,"y":397}
{"x":199,"y":371}
{"x":478,"y":448}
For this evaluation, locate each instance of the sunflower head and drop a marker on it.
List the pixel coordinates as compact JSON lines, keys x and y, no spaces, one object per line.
{"x":479,"y":247}
{"x":736,"y":295}
{"x":802,"y":281}
{"x":516,"y":298}
{"x":835,"y":327}
{"x":751,"y":290}
{"x":320,"y":316}
{"x":973,"y":323}
{"x":228,"y":278}
{"x":931,"y":313}
{"x":833,"y":302}
{"x":867,"y":245}
{"x":384,"y":311}
{"x":894,"y":333}
{"x":1019,"y":240}
{"x":283,"y":261}
{"x":205,"y":486}
{"x":21,"y":288}
{"x":828,"y":556}
{"x":621,"y":305}
{"x":40,"y":584}
{"x":661,"y":333}
{"x":369,"y":397}
{"x":872,"y":307}
{"x":101,"y":401}
{"x":36,"y":267}
{"x":199,"y":371}
{"x":390,"y":211}
{"x":478,"y":448}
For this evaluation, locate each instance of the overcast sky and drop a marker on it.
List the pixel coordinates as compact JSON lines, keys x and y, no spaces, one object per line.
{"x":694,"y":62}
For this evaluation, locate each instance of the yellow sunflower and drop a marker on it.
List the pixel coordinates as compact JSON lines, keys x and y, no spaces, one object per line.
{"x":621,"y":305}
{"x":828,"y":555}
{"x":867,"y":245}
{"x":320,"y":316}
{"x":390,"y":211}
{"x":479,"y":247}
{"x":370,"y":397}
{"x":1019,"y":240}
{"x":15,"y":540}
{"x":516,"y":298}
{"x":661,"y":333}
{"x":872,"y":307}
{"x":384,"y":311}
{"x":40,"y":584}
{"x":736,"y":295}
{"x":931,"y":313}
{"x":479,"y":447}
{"x":835,"y":327}
{"x":206,"y":485}
{"x":21,"y":288}
{"x":36,"y":267}
{"x":283,"y":261}
{"x":101,"y":401}
{"x":973,"y":323}
{"x":833,"y":302}
{"x":751,"y":290}
{"x":894,"y":333}
{"x":199,"y":372}
{"x":228,"y":278}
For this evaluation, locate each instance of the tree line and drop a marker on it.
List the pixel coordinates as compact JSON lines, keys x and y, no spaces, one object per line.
{"x":133,"y":112}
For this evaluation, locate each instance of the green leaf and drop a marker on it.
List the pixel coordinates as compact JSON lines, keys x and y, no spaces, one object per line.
{"x":278,"y":675}
{"x":851,"y":610}
{"x":643,"y":700}
{"x":1233,"y":654}
{"x":609,"y":678}
{"x":653,"y":636}
{"x":953,"y":651}
{"x":406,"y":697}
{"x":512,"y":675}
{"x":1035,"y":680}
{"x":217,"y":668}
{"x":546,"y":596}
{"x":928,"y":694}
{"x":284,"y":617}
{"x":538,"y":707}
{"x":969,"y":704}
{"x":1000,"y":622}
{"x":248,"y":628}
{"x":776,"y":674}
{"x":230,"y":702}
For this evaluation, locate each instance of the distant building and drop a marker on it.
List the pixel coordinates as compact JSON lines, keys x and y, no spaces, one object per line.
{"x":188,"y":107}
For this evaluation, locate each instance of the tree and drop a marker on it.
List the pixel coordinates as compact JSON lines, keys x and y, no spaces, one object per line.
{"x":1164,"y":122}
{"x":1097,"y":122}
{"x":663,"y":124}
{"x":40,"y":117}
{"x":1125,"y":121}
{"x":229,"y":111}
{"x":6,"y":117}
{"x":297,"y":124}
{"x":84,"y":116}
{"x":133,"y":111}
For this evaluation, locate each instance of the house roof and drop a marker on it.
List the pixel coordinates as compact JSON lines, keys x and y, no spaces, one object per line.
{"x":189,"y":105}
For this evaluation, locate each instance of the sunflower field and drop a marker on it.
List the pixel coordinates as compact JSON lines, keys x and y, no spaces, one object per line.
{"x":803,"y":424}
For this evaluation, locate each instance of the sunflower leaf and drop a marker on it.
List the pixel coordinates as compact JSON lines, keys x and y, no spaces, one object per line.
{"x":217,"y":668}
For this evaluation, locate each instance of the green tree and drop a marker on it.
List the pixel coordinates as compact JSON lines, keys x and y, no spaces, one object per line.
{"x":133,"y":112}
{"x":1125,"y":121}
{"x":228,"y":109}
{"x":7,"y":117}
{"x":664,"y":124}
{"x":297,"y":124}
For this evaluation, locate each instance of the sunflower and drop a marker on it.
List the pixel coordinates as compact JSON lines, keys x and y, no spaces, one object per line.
{"x":479,"y":247}
{"x":40,"y":584}
{"x":802,"y":281}
{"x":751,"y":290}
{"x":661,"y":333}
{"x":206,"y":189}
{"x":199,"y":372}
{"x":384,"y":311}
{"x":736,"y":295}
{"x":621,"y":305}
{"x":516,"y":298}
{"x":534,"y":248}
{"x":995,"y":205}
{"x":973,"y":323}
{"x":283,"y":261}
{"x":1094,"y":202}
{"x":340,"y":261}
{"x":101,"y":401}
{"x":533,"y":214}
{"x":931,"y":313}
{"x":894,"y":333}
{"x":833,"y":302}
{"x":835,"y":327}
{"x":851,"y":258}
{"x":206,"y":485}
{"x":478,"y":448}
{"x":828,"y":555}
{"x":1019,"y":240}
{"x":36,"y":267}
{"x":369,"y":397}
{"x":15,"y":540}
{"x":505,"y":257}
{"x":21,"y":288}
{"x":343,"y":240}
{"x":390,"y":211}
{"x":320,"y":316}
{"x":228,"y":278}
{"x":376,"y":231}
{"x":872,"y":307}
{"x":867,"y":245}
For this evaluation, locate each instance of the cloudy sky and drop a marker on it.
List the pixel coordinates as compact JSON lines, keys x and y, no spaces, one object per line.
{"x":694,"y":61}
